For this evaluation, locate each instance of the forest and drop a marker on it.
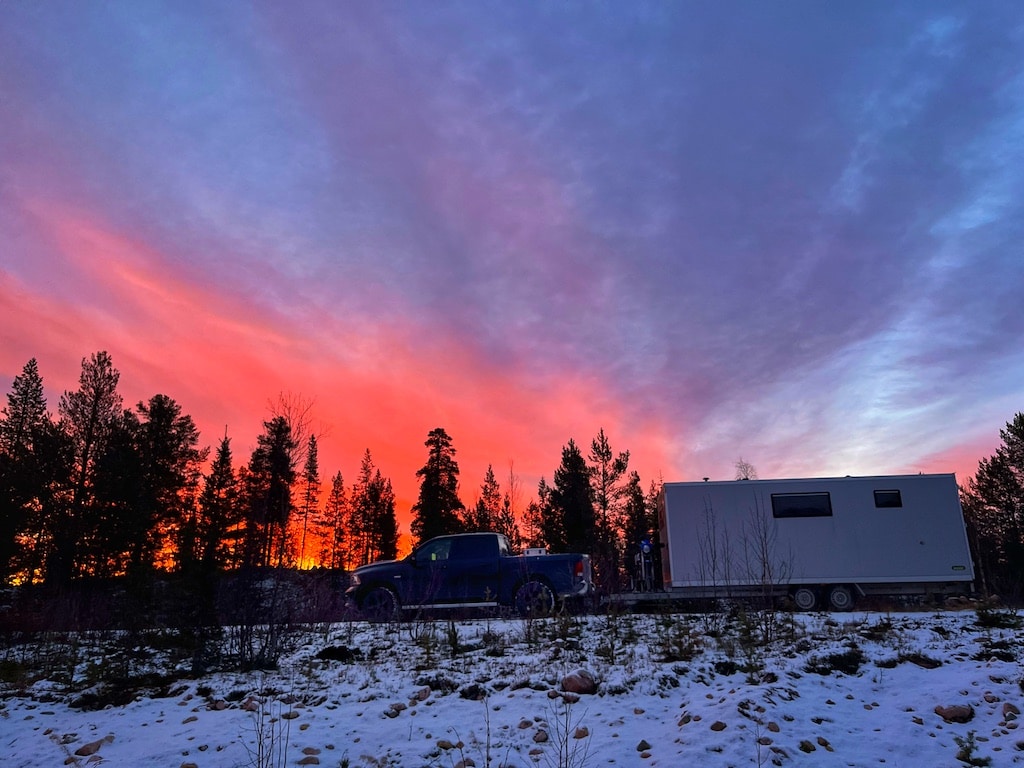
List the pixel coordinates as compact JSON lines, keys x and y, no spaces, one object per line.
{"x":98,"y":490}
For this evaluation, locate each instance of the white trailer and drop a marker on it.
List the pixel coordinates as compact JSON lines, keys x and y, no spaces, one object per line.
{"x":819,"y":540}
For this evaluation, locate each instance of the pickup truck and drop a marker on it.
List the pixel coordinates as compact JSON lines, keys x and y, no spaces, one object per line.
{"x":469,"y":570}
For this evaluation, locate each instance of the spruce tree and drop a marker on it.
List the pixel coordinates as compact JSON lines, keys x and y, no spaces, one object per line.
{"x":332,"y":526}
{"x":606,"y":473}
{"x":484,"y":515}
{"x":23,"y":486}
{"x":571,"y":502}
{"x":269,"y":480}
{"x":310,"y":495}
{"x":216,"y":528}
{"x":437,"y":510}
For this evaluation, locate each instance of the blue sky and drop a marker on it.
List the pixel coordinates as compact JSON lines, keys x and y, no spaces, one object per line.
{"x":789,"y":231}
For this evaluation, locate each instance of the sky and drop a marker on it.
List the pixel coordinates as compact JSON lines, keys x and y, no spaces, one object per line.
{"x":785,"y":232}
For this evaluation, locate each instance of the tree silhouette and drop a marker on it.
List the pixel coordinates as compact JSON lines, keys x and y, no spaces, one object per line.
{"x":437,"y":510}
{"x":993,"y":504}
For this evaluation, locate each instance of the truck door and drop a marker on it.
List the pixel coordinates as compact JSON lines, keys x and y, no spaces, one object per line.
{"x":473,"y":569}
{"x":430,"y":581}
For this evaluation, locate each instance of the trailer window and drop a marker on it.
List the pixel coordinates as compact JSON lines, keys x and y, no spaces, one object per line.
{"x":888,"y":499}
{"x":801,"y":505}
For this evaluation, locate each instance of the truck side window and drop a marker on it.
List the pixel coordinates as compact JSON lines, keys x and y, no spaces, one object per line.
{"x":888,"y":499}
{"x":433,"y":551}
{"x":475,"y":547}
{"x":801,"y":505}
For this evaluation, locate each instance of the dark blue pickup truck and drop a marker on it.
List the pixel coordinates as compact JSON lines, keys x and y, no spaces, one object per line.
{"x":469,"y":570}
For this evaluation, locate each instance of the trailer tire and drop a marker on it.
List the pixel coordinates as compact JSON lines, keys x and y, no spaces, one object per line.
{"x":805,"y":598}
{"x":840,"y":598}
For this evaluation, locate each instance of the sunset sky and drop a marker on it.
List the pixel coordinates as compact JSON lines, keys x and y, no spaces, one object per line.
{"x":791,"y":232}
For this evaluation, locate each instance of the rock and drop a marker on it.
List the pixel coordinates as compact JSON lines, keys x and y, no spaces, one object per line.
{"x":718,"y":725}
{"x":524,"y":724}
{"x":581,"y":681}
{"x":823,"y":743}
{"x":764,"y":741}
{"x":251,"y":705}
{"x":422,"y":693}
{"x":291,"y":714}
{"x":570,"y":698}
{"x":1010,"y":711}
{"x":188,"y":765}
{"x":311,"y":751}
{"x":540,"y":736}
{"x":94,"y":746}
{"x":955,"y":713}
{"x":445,"y":744}
{"x":806,"y":746}
{"x":917,"y":720}
{"x":990,"y":698}
{"x":581,"y":732}
{"x":687,"y":717}
{"x":773,"y":727}
{"x":189,"y":719}
{"x":219,"y":705}
{"x":310,"y":760}
{"x":643,"y":746}
{"x":466,"y":762}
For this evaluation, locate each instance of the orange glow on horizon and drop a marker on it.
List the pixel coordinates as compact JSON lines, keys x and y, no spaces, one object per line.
{"x":374,"y":385}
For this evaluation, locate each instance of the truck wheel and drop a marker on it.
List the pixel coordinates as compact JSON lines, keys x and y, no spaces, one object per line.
{"x":840,"y":598}
{"x":804,"y":598}
{"x":534,"y":598}
{"x":379,"y":604}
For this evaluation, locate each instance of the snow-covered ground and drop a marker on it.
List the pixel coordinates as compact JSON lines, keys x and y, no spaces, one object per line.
{"x":672,"y":690}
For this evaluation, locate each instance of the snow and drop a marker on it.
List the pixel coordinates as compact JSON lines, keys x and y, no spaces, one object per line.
{"x":411,"y":701}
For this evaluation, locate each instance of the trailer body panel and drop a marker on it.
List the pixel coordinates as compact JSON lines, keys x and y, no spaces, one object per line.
{"x":881,"y":530}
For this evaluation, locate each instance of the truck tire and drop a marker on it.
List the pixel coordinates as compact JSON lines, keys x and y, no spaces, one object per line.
{"x":805,"y":598}
{"x":840,"y":598}
{"x":534,"y":598}
{"x":379,"y":604}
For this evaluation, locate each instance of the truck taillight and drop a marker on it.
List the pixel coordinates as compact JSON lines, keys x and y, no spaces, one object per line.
{"x":578,"y":570}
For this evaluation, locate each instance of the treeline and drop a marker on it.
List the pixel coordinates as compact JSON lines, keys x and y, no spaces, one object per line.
{"x":99,"y":490}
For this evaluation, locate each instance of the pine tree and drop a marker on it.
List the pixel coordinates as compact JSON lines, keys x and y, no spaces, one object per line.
{"x":310,"y":495}
{"x":606,"y":474}
{"x":571,"y":501}
{"x":25,"y":413}
{"x":23,"y":487}
{"x":217,"y":524}
{"x":332,"y":525}
{"x":485,"y":513}
{"x":168,"y":447}
{"x":269,"y":480}
{"x":437,"y":510}
{"x":374,"y":523}
{"x":993,"y":503}
{"x":88,"y":415}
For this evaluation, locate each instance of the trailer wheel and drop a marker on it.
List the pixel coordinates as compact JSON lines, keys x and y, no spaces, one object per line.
{"x":805,"y":598}
{"x":840,"y":598}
